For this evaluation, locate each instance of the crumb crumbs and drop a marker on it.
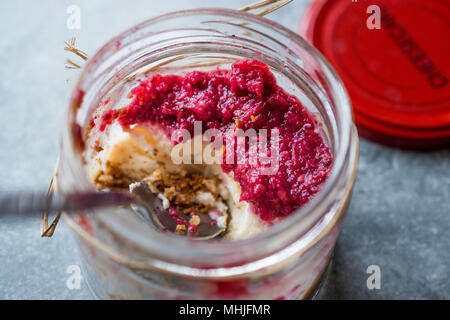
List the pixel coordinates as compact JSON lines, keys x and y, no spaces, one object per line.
{"x":97,"y":146}
{"x":182,"y":189}
{"x":195,"y":220}
{"x":180,"y":229}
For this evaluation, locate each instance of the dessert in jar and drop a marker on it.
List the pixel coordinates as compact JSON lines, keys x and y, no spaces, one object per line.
{"x":246,"y":108}
{"x":221,"y":119}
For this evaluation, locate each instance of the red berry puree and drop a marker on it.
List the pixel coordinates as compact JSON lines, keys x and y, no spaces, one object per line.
{"x":247,"y":97}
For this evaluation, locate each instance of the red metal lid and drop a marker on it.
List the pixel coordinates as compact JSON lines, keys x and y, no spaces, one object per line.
{"x":397,"y":76}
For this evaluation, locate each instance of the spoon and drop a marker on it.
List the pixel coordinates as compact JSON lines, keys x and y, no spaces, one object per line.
{"x":141,"y":199}
{"x":207,"y":227}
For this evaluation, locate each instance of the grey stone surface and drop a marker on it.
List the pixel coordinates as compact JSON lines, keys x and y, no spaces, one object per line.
{"x":398,"y":218}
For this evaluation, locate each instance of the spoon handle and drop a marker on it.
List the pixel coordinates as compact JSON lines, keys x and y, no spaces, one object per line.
{"x":31,"y":203}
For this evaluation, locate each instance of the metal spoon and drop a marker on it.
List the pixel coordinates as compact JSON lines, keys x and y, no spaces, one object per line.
{"x":27,"y":203}
{"x":141,"y":199}
{"x":207,"y":228}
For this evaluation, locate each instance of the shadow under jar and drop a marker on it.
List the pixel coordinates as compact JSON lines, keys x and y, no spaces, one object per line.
{"x":126,"y":259}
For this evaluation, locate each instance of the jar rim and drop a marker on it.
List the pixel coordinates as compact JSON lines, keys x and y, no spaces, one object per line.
{"x":288,"y":227}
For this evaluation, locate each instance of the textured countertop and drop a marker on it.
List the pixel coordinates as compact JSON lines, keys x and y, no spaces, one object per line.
{"x":399,"y":217}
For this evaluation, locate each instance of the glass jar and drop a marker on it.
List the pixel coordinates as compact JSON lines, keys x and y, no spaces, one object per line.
{"x":125,"y":258}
